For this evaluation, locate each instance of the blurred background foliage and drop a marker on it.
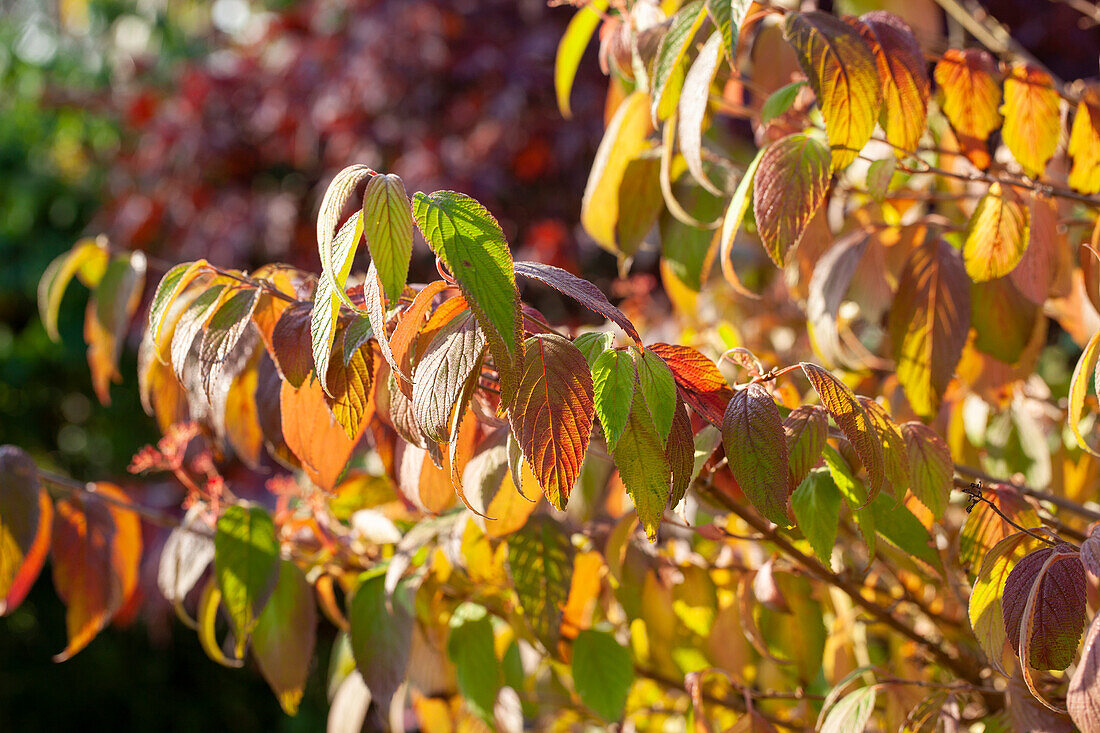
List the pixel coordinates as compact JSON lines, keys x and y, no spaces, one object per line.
{"x":209,"y":129}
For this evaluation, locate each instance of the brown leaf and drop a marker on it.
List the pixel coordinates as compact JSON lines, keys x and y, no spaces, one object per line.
{"x":291,"y":344}
{"x":789,"y":188}
{"x":1083,"y":696}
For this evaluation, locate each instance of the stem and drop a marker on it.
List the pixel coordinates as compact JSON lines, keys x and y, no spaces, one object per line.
{"x":72,"y":487}
{"x":1058,"y":501}
{"x":974,"y":491}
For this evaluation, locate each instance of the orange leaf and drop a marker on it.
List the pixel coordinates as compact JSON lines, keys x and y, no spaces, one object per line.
{"x":904,"y":76}
{"x":844,"y":75}
{"x":349,"y":380}
{"x":291,"y":346}
{"x":1038,"y":268}
{"x":96,"y":555}
{"x":242,"y":421}
{"x":971,"y":98}
{"x":984,"y":527}
{"x":107,"y":318}
{"x":789,"y":188}
{"x":700,"y":383}
{"x":26,"y":514}
{"x":997,"y":235}
{"x":313,"y":434}
{"x":1032,"y":122}
{"x":1084,"y":143}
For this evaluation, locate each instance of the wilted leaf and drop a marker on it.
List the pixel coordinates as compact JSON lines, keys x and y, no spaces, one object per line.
{"x":670,"y":53}
{"x":381,"y":634}
{"x":285,"y":635}
{"x":694,"y":100}
{"x":603,"y":672}
{"x":931,"y":469}
{"x":313,"y":434}
{"x":756,"y":450}
{"x":552,"y":414}
{"x":701,"y":384}
{"x":88,"y":260}
{"x":843,"y":72}
{"x":971,"y":98}
{"x":997,"y":235}
{"x":929,"y":323}
{"x":470,"y":649}
{"x":571,"y":48}
{"x":852,"y":419}
{"x":1084,"y":143}
{"x":388,"y":230}
{"x":472,"y":246}
{"x":1032,"y":121}
{"x":816,"y":506}
{"x":614,"y":381}
{"x":246,"y":556}
{"x":540,"y":560}
{"x":579,"y":290}
{"x":1044,"y":606}
{"x":107,"y":319}
{"x":904,"y":76}
{"x":96,"y":552}
{"x":788,"y":189}
{"x":26,"y":516}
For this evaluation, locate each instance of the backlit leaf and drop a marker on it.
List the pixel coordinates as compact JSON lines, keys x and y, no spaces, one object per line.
{"x":593,"y":343}
{"x":694,"y":100}
{"x":788,"y":189}
{"x":388,"y":230}
{"x":986,"y":617}
{"x":603,"y":672}
{"x":470,"y":649}
{"x":816,"y":507}
{"x":728,"y":17}
{"x":186,"y":555}
{"x":472,"y":246}
{"x":174,"y":282}
{"x":381,"y":633}
{"x":96,"y":552}
{"x":571,"y":48}
{"x":701,"y":384}
{"x":285,"y":635}
{"x":246,"y":556}
{"x":756,"y":449}
{"x":313,"y":434}
{"x":898,"y":526}
{"x":222,"y":334}
{"x":1083,"y":696}
{"x":674,"y":44}
{"x":904,"y":76}
{"x":540,"y":561}
{"x":579,"y":290}
{"x":26,"y":516}
{"x":491,"y":487}
{"x":1084,"y":143}
{"x":326,"y":300}
{"x":1078,"y":388}
{"x":625,"y":137}
{"x":640,"y":457}
{"x":852,"y":713}
{"x":614,"y":381}
{"x":1032,"y":120}
{"x":997,"y":234}
{"x":206,"y":618}
{"x":640,"y":202}
{"x":107,"y":318}
{"x":1003,"y":319}
{"x":894,"y":451}
{"x":680,"y":453}
{"x":971,"y":98}
{"x":827,"y":291}
{"x":931,"y":469}
{"x":1044,"y":606}
{"x":453,"y":355}
{"x":350,"y":379}
{"x":88,"y":259}
{"x":731,"y":222}
{"x":553,"y":412}
{"x":843,"y":73}
{"x":337,"y":250}
{"x":984,"y":527}
{"x":657,"y":387}
{"x":805,"y":430}
{"x":852,"y":419}
{"x":929,"y":323}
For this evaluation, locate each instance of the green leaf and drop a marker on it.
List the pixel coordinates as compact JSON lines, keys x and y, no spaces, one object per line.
{"x":728,"y":16}
{"x":816,"y":505}
{"x":639,"y":455}
{"x":658,"y":388}
{"x":540,"y":560}
{"x":285,"y":635}
{"x":897,"y":525}
{"x":670,"y":53}
{"x":88,"y":260}
{"x":931,"y":470}
{"x":246,"y":555}
{"x":592,"y":344}
{"x":852,"y":713}
{"x":571,"y":49}
{"x":614,"y":376}
{"x":337,"y":254}
{"x":381,"y":633}
{"x":388,"y":229}
{"x":472,"y":246}
{"x":853,"y":491}
{"x":170,"y":286}
{"x":603,"y":672}
{"x":552,"y":414}
{"x":779,"y":101}
{"x":470,"y":648}
{"x":756,"y":450}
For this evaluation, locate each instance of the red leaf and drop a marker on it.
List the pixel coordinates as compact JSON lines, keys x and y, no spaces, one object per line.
{"x":579,"y":290}
{"x":25,"y":517}
{"x":701,"y":384}
{"x":1044,"y":600}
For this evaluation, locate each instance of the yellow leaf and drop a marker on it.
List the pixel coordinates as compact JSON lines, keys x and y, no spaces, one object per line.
{"x":1084,"y":143}
{"x":997,"y":235}
{"x":1032,"y":122}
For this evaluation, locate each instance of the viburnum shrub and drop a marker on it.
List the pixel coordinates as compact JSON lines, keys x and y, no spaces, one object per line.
{"x":804,"y":532}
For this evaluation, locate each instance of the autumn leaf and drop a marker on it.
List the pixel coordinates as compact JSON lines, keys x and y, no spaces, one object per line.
{"x":929,"y":323}
{"x":246,"y":557}
{"x":680,"y":453}
{"x":291,"y":343}
{"x":110,"y":309}
{"x":700,"y":383}
{"x":728,"y":17}
{"x":87,"y":260}
{"x":1032,"y":120}
{"x":26,"y":518}
{"x":670,"y":53}
{"x":580,"y":290}
{"x":1078,"y":388}
{"x":1084,"y":143}
{"x":657,"y":387}
{"x":694,"y":100}
{"x":986,"y":616}
{"x":805,"y":431}
{"x":570,"y":50}
{"x":789,"y":188}
{"x":540,"y":563}
{"x":388,"y":231}
{"x":441,"y":375}
{"x":285,"y":635}
{"x":1082,"y":695}
{"x":894,"y":451}
{"x":756,"y":449}
{"x":971,"y":98}
{"x":997,"y":235}
{"x":350,"y":379}
{"x":931,"y":469}
{"x":844,"y":75}
{"x":312,"y":433}
{"x":552,"y":414}
{"x":327,"y":298}
{"x":96,"y":551}
{"x":472,"y":246}
{"x":1044,"y":606}
{"x":222,"y":334}
{"x":186,"y":555}
{"x":174,"y":282}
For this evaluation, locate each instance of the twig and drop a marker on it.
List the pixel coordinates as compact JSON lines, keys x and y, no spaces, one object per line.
{"x":72,"y":487}
{"x":1058,"y":501}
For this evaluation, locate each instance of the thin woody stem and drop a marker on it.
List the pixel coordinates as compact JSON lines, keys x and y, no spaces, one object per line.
{"x":72,"y":487}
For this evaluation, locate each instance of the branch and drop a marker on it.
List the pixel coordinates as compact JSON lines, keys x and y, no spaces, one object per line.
{"x":1058,"y":501}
